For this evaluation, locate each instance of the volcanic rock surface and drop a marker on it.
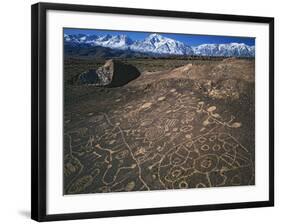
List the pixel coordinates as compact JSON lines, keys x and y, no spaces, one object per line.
{"x":189,"y":127}
{"x":229,"y":79}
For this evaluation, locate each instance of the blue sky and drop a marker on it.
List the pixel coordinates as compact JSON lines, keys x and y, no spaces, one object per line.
{"x":189,"y":39}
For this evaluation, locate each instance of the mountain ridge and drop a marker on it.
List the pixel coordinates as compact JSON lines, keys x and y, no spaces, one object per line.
{"x":159,"y":45}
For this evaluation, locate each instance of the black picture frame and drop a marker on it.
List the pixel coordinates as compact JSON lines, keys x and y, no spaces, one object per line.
{"x":39,"y":125}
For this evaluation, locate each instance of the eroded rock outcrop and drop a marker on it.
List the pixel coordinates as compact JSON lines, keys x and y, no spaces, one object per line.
{"x":229,"y":79}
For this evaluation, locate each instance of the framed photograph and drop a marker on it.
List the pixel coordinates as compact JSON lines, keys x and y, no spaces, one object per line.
{"x":139,"y":111}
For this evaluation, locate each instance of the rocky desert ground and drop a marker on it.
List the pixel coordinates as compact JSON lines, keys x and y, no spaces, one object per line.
{"x":174,"y":124}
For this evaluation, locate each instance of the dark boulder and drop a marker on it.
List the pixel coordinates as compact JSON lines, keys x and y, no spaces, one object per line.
{"x":111,"y":74}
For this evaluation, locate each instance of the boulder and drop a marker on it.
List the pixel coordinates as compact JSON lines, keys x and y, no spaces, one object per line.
{"x":111,"y":74}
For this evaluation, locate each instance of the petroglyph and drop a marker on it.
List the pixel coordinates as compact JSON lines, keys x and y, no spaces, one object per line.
{"x":155,"y":145}
{"x":157,"y":134}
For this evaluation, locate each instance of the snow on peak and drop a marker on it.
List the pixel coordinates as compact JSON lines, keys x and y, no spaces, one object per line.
{"x":155,"y":37}
{"x":159,"y":44}
{"x":226,"y":50}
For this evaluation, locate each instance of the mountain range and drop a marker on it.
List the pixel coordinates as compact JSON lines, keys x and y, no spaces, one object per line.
{"x":153,"y":44}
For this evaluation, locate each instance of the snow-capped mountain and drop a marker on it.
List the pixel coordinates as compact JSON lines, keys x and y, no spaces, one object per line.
{"x":79,"y":38}
{"x":160,"y":45}
{"x":227,"y":50}
{"x":115,"y":42}
{"x":122,"y":42}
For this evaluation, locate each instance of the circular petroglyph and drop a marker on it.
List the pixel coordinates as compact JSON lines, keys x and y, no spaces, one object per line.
{"x":216,"y":147}
{"x":205,"y":147}
{"x":206,"y":163}
{"x":183,"y":184}
{"x":202,"y":139}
